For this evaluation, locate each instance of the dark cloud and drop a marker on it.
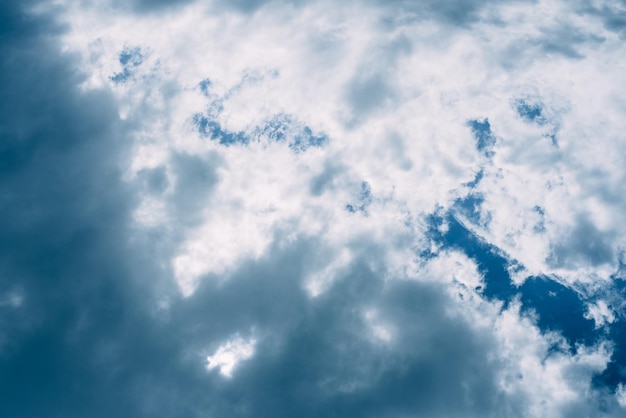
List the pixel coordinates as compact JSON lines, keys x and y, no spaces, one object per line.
{"x":320,"y":357}
{"x":63,"y":234}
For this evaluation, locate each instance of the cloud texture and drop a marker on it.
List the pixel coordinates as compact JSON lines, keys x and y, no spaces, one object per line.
{"x":304,"y":208}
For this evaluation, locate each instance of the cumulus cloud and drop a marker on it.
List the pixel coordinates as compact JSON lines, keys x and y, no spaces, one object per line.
{"x":302,"y":208}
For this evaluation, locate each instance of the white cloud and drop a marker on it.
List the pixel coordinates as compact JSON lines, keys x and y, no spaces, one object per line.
{"x":229,"y":354}
{"x":620,"y":395}
{"x":380,"y":330}
{"x":600,"y":313}
{"x":541,"y":371}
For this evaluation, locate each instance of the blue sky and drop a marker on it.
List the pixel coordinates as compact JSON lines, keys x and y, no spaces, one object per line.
{"x":303,"y":208}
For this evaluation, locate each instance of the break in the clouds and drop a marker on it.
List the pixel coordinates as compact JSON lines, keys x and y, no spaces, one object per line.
{"x":306,"y":208}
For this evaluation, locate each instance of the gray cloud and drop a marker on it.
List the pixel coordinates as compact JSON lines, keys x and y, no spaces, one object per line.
{"x":454,"y":12}
{"x":612,"y":14}
{"x":150,"y":6}
{"x":63,"y":224}
{"x":195,"y":179}
{"x":368,"y":94}
{"x":320,"y":358}
{"x":585,"y":244}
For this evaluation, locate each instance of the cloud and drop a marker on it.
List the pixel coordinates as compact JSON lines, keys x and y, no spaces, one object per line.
{"x":309,"y":209}
{"x":228,"y":355}
{"x":335,"y":360}
{"x":62,"y":221}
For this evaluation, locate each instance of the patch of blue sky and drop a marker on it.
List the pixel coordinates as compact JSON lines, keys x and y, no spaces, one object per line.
{"x":283,"y":128}
{"x":210,"y":128}
{"x":530,"y":112}
{"x":280,"y":128}
{"x":364,"y":200}
{"x":277,"y":129}
{"x":491,"y":263}
{"x":558,"y":308}
{"x":479,"y":176}
{"x":307,"y":139}
{"x":615,"y":297}
{"x":534,"y":112}
{"x":470,"y":208}
{"x":216,"y":104}
{"x":129,"y":58}
{"x":215,"y":108}
{"x":205,"y":86}
{"x":121,"y":76}
{"x":485,"y":139}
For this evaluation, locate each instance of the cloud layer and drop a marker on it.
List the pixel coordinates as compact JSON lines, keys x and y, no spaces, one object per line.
{"x":300,"y":208}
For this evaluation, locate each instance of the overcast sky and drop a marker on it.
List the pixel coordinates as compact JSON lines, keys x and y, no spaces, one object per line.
{"x":313,"y":208}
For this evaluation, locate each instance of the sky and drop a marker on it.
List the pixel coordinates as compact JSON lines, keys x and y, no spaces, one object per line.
{"x":313,"y":208}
